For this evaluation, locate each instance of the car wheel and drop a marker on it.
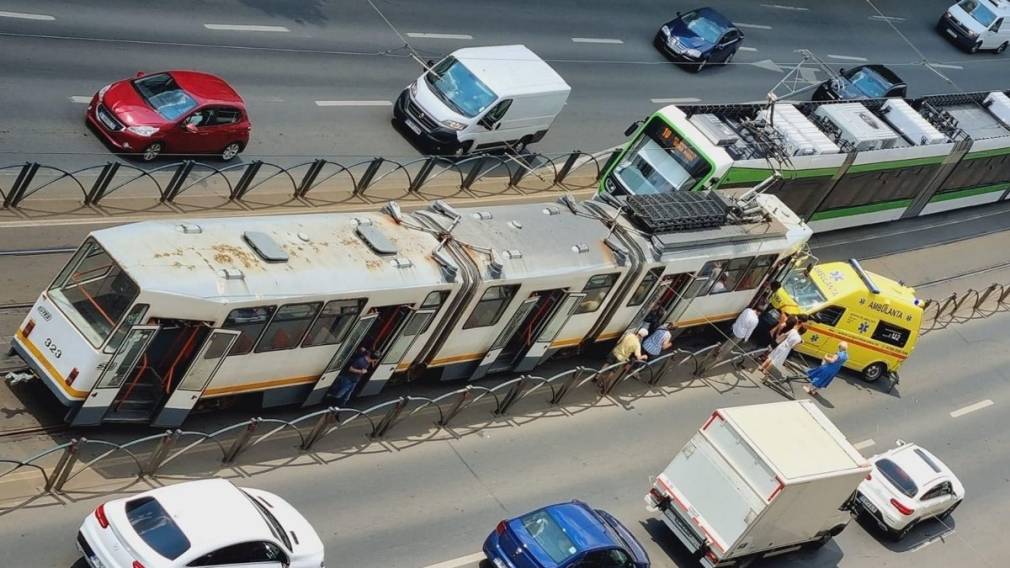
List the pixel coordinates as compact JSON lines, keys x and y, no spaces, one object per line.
{"x":874,"y":372}
{"x":974,"y":48}
{"x":463,"y":149}
{"x":701,"y":65}
{"x":153,"y":151}
{"x":520,"y":146}
{"x":729,"y":58}
{"x":946,"y":514}
{"x":230,"y":151}
{"x":1002,"y":47}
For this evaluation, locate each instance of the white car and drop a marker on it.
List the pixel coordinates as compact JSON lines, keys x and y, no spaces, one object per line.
{"x":199,"y":523}
{"x":907,"y":486}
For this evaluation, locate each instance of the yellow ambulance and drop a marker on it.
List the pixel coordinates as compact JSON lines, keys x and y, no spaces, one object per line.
{"x":878,"y":317}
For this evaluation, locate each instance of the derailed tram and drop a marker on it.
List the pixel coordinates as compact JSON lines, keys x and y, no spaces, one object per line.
{"x":149,"y":320}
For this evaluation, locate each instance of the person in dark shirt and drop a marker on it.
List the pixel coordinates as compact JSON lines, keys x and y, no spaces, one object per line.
{"x":353,"y":374}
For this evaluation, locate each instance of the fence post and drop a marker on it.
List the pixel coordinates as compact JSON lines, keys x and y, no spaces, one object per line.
{"x":175,"y":184}
{"x":511,"y":396}
{"x":422,"y":174}
{"x":658,"y":374}
{"x":310,"y":177}
{"x":567,"y":385}
{"x":389,"y":419}
{"x":63,"y":467}
{"x":101,"y":183}
{"x":567,"y":167}
{"x":161,"y":452}
{"x":21,"y":184}
{"x":610,"y":161}
{"x":321,"y":427}
{"x":471,"y":176}
{"x":1005,"y":295}
{"x":447,"y":417}
{"x":241,"y":441}
{"x":985,"y":296}
{"x":366,"y":179}
{"x":609,"y":385}
{"x":244,"y":182}
{"x":517,"y":176}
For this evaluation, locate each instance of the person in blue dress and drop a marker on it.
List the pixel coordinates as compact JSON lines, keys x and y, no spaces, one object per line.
{"x":820,"y":377}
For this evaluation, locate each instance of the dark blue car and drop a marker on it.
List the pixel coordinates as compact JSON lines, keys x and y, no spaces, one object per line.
{"x":562,"y":536}
{"x":699,"y":37}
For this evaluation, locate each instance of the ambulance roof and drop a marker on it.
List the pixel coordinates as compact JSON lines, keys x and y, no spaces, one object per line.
{"x":840,"y":279}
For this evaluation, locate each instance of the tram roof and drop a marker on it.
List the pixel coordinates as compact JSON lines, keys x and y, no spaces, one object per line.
{"x":325,"y":256}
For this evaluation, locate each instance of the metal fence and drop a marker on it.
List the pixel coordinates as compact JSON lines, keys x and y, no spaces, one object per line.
{"x":968,"y":305}
{"x":353,"y":179}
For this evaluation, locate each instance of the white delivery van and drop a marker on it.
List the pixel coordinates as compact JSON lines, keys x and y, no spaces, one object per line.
{"x":758,"y":481}
{"x":480,"y":98}
{"x":977,"y":24}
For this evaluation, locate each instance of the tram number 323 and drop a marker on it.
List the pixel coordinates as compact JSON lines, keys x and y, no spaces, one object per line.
{"x":51,"y":345}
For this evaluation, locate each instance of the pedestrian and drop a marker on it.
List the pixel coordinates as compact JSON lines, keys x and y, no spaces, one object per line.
{"x":658,"y":341}
{"x":348,"y":380}
{"x":786,"y":342}
{"x":741,"y":331}
{"x":629,"y":346}
{"x":655,"y":317}
{"x":821,"y":376}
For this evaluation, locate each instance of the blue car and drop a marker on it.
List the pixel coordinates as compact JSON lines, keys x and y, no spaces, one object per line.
{"x":562,"y":536}
{"x":699,"y":37}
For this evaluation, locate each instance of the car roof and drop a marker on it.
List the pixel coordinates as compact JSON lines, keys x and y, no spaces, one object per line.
{"x":511,"y":70}
{"x":581,"y":522}
{"x":207,"y":88}
{"x":715,"y":16}
{"x":212,"y":513}
{"x":907,"y":458}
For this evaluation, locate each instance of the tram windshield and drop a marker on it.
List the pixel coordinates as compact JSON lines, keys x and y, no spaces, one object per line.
{"x":93,"y":292}
{"x":660,"y":161}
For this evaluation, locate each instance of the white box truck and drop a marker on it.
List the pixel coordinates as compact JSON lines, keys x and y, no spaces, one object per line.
{"x":480,"y":98}
{"x":758,"y":481}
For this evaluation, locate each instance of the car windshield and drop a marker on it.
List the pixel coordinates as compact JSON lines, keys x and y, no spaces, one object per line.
{"x":164,"y":95}
{"x":94,"y":292}
{"x":979,"y":11}
{"x":550,"y":535}
{"x":155,"y":526}
{"x":897,"y":477}
{"x":870,"y":83}
{"x":660,"y":161}
{"x":270,"y":519}
{"x":707,"y":29}
{"x":803,"y":290}
{"x":457,"y":87}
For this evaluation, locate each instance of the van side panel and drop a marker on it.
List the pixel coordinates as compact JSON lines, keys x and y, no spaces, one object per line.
{"x":531,"y":113}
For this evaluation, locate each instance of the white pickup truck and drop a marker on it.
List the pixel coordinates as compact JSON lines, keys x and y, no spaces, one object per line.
{"x":758,"y":481}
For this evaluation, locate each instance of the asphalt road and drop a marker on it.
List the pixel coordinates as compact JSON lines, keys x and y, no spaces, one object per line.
{"x":356,"y":50}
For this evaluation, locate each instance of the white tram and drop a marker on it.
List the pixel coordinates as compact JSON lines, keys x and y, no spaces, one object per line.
{"x":151,"y":318}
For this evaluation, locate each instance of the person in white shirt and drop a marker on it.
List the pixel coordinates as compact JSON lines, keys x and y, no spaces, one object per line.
{"x":742,"y":329}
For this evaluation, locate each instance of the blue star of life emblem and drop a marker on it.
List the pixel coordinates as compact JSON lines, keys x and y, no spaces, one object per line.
{"x":815,"y":337}
{"x":864,"y":327}
{"x":836,"y":275}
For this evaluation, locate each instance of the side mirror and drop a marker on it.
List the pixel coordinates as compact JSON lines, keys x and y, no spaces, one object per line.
{"x":841,"y":70}
{"x":430,"y":63}
{"x":678,"y":13}
{"x":633,"y":127}
{"x":139,"y":74}
{"x":190,"y":128}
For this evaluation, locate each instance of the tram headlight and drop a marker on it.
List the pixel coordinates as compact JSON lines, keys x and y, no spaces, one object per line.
{"x":27,"y":329}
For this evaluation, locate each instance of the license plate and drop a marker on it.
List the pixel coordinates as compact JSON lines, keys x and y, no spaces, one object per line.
{"x":410,"y":124}
{"x":866,"y":503}
{"x":951,"y":33}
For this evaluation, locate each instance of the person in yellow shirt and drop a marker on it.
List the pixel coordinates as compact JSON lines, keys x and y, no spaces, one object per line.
{"x":629,"y":346}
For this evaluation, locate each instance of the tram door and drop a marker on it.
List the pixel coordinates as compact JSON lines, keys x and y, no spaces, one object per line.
{"x":508,"y":331}
{"x":538,"y":351}
{"x":340,"y":358}
{"x":196,"y":378}
{"x":399,"y":343}
{"x":116,"y":371}
{"x":667,"y":302}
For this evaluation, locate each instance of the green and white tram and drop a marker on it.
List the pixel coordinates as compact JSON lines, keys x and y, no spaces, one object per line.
{"x":841,"y":163}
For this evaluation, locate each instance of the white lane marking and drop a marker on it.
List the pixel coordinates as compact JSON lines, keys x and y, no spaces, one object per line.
{"x":245,"y":28}
{"x":461,"y":561}
{"x":783,"y":7}
{"x":893,"y":19}
{"x":80,"y":100}
{"x":971,"y":408}
{"x":847,"y":57}
{"x":353,"y":103}
{"x":675,"y":101}
{"x":743,"y":48}
{"x":439,"y":36}
{"x":752,"y":26}
{"x":24,"y":16}
{"x":945,"y":66}
{"x":596,"y":40}
{"x":864,"y":444}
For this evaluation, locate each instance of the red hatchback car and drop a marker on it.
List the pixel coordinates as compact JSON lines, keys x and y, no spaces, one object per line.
{"x":177,"y":112}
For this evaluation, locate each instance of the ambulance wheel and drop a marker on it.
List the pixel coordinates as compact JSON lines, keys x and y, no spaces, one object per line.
{"x":874,"y":372}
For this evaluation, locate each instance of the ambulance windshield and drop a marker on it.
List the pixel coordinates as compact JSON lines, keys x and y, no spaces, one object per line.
{"x":802,"y":290}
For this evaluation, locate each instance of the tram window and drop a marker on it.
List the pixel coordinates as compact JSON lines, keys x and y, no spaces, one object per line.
{"x":596,"y":291}
{"x":648,"y":281}
{"x":891,"y":334}
{"x":432,"y":301}
{"x":334,"y":322}
{"x":93,"y":292}
{"x":288,"y":327}
{"x":491,"y":306}
{"x":250,"y":322}
{"x":131,"y":319}
{"x":732,"y":274}
{"x":705,"y":279}
{"x":756,"y":273}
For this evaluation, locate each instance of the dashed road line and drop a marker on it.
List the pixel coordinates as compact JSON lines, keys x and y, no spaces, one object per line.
{"x":353,"y":103}
{"x":946,"y":66}
{"x":745,"y":48}
{"x":847,"y":57}
{"x":864,"y":444}
{"x":971,"y":408}
{"x":461,"y":561}
{"x":245,"y":28}
{"x":596,"y":40}
{"x":80,"y":100}
{"x":892,"y":19}
{"x":783,"y":7}
{"x":675,"y":101}
{"x":439,"y":36}
{"x":25,"y":16}
{"x":752,"y":26}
